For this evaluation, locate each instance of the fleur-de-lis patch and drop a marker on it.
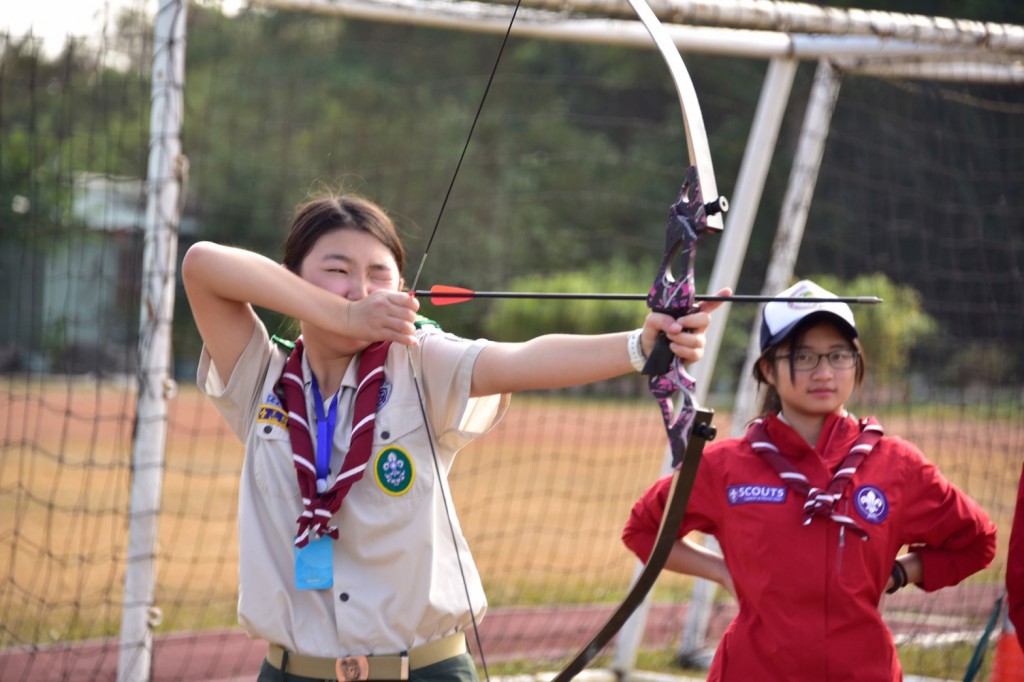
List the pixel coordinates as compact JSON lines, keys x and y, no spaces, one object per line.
{"x":394,"y":470}
{"x":871,"y":504}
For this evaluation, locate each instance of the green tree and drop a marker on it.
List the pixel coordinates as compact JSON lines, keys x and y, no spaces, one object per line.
{"x":521,"y":319}
{"x":890,"y":330}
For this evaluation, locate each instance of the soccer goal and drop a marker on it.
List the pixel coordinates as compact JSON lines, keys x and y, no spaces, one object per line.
{"x":880,"y":154}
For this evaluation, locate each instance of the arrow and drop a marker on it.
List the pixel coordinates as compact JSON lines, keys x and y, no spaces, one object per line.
{"x":442,"y":294}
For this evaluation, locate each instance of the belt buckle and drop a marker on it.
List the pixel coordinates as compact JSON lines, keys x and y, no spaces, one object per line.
{"x":352,"y":668}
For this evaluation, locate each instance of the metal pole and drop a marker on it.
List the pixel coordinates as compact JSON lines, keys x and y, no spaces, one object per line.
{"x":559,"y":20}
{"x":155,"y":381}
{"x":744,"y":200}
{"x":739,"y":223}
{"x":792,"y":219}
{"x":805,"y":17}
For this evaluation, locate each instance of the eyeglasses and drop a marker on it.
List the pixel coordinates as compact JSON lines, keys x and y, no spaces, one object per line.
{"x":805,"y":361}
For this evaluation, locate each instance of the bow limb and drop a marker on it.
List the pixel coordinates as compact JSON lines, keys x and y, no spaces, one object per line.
{"x":675,"y":508}
{"x":696,"y":134}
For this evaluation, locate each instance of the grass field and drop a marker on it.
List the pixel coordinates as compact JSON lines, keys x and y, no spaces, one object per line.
{"x":542,"y":500}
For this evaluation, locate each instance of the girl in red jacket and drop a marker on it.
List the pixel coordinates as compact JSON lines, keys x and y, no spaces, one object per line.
{"x":811,"y":509}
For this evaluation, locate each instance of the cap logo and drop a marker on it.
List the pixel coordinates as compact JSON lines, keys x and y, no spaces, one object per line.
{"x":804,"y":291}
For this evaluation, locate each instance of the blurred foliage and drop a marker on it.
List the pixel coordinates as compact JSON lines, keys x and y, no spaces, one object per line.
{"x":980,"y":363}
{"x":889,"y":330}
{"x":57,"y":118}
{"x":567,"y":178}
{"x":522,"y":319}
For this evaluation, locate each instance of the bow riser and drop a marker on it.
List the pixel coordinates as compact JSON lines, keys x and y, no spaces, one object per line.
{"x":687,"y":223}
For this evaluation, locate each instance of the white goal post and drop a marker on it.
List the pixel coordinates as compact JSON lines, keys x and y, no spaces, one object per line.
{"x":156,"y":383}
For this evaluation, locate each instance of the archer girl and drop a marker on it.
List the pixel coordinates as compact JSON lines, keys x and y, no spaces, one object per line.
{"x":811,"y":509}
{"x":351,"y":565}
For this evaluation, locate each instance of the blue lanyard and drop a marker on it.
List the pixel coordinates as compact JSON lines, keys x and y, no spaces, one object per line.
{"x":325,"y":424}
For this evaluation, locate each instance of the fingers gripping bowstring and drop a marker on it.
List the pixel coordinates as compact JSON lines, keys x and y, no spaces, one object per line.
{"x":439,"y":474}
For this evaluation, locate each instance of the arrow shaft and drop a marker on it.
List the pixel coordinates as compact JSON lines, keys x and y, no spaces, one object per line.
{"x":735,"y":298}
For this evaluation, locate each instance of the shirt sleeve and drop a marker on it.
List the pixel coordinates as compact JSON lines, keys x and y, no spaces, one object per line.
{"x":1015,"y":565}
{"x":446,"y":362}
{"x":235,"y":397}
{"x":645,"y":518}
{"x":951,"y":533}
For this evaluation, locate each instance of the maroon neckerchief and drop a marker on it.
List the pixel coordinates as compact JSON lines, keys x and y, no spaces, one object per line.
{"x":319,"y":508}
{"x":819,"y":502}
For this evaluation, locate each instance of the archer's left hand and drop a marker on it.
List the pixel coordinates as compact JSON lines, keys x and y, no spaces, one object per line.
{"x":686,"y":334}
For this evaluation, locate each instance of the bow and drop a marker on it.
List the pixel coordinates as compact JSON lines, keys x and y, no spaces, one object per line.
{"x":689,"y":218}
{"x":689,"y":428}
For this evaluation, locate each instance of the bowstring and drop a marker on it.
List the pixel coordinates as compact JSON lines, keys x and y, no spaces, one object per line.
{"x":465,"y":146}
{"x":445,"y":490}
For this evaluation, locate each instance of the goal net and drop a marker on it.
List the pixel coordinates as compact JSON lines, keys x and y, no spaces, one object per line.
{"x":566,"y":184}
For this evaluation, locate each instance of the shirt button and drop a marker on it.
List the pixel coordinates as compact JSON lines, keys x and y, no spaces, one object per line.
{"x":385,"y":434}
{"x":268,"y":429}
{"x":343,"y":596}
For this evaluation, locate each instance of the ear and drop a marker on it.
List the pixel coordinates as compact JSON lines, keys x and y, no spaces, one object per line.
{"x":767,"y":369}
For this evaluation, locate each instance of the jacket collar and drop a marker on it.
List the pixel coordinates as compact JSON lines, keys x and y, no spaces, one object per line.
{"x":836,"y":438}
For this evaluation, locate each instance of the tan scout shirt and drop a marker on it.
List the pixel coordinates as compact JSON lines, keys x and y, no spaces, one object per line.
{"x":397,"y":582}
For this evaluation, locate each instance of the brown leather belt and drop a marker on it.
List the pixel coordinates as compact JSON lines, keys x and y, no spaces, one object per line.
{"x":353,"y":668}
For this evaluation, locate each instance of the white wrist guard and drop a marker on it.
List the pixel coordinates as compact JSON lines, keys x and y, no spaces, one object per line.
{"x":636,"y":350}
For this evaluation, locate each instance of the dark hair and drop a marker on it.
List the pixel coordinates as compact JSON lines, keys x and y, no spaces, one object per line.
{"x":772,"y":404}
{"x":325,"y":214}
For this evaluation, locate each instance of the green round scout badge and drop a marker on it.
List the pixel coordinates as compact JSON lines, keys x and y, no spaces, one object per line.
{"x":394,"y":471}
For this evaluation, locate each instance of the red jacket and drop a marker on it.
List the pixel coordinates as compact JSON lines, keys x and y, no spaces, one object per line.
{"x":808,"y":603}
{"x":1015,"y":565}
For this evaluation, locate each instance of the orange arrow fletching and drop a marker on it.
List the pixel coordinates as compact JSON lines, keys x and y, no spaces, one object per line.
{"x":442,"y":294}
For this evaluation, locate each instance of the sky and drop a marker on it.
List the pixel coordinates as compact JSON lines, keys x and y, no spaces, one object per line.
{"x":54,"y":20}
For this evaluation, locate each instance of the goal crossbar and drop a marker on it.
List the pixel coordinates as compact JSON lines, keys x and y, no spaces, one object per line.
{"x":963,"y":63}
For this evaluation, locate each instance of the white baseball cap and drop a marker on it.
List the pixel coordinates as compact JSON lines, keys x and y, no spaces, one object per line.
{"x":779,"y":318}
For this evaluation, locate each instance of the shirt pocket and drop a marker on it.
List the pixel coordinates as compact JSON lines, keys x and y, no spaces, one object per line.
{"x":400,"y":471}
{"x":272,"y":463}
